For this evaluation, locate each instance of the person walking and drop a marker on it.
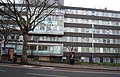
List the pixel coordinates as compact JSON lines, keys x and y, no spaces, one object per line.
{"x":15,"y":57}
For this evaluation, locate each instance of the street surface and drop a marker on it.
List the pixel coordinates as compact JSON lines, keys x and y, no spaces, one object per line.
{"x":15,"y":70}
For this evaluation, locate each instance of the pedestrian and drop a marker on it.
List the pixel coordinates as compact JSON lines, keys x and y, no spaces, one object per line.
{"x":15,"y":57}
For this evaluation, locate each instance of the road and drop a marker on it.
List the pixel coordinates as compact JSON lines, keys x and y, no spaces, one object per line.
{"x":14,"y":70}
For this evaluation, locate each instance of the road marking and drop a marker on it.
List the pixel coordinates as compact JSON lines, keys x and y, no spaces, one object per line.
{"x":45,"y":75}
{"x":3,"y":71}
{"x":28,"y":66}
{"x":47,"y":67}
{"x":88,"y":72}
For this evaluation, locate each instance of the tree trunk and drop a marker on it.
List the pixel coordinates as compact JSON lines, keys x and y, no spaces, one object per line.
{"x":25,"y":48}
{"x":5,"y":39}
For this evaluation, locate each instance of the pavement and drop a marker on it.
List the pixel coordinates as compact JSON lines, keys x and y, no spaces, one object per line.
{"x":76,"y":66}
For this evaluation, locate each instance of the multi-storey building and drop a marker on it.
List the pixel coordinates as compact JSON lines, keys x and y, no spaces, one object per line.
{"x":93,"y":31}
{"x":89,"y":32}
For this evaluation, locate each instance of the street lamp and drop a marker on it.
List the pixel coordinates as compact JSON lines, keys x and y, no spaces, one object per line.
{"x":1,"y":52}
{"x":93,"y":29}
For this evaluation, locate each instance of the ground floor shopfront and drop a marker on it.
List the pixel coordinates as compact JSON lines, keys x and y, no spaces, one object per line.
{"x":58,"y":52}
{"x":94,"y":57}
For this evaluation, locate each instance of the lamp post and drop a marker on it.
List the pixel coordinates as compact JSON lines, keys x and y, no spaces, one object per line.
{"x":1,"y":52}
{"x":92,"y":41}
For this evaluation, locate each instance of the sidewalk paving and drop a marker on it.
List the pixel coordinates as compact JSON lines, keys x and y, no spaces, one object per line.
{"x":75,"y":66}
{"x":89,"y":67}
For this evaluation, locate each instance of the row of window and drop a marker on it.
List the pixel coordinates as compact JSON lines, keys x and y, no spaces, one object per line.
{"x":90,"y":30}
{"x":70,"y":39}
{"x":90,"y":40}
{"x":48,"y":49}
{"x":45,"y":38}
{"x":54,"y":20}
{"x":97,"y":59}
{"x":48,"y":28}
{"x":93,"y":13}
{"x":96,"y":50}
{"x":75,"y":39}
{"x":45,"y":48}
{"x":81,"y":12}
{"x":90,"y":21}
{"x":58,"y":49}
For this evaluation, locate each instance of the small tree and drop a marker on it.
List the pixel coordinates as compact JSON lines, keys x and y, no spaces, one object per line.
{"x":27,"y":16}
{"x":72,"y":48}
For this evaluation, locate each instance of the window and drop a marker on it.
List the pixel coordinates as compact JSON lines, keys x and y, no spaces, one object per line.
{"x":83,"y":30}
{"x":104,"y":40}
{"x":83,"y":49}
{"x":42,"y":28}
{"x":17,"y":37}
{"x":85,"y":12}
{"x":12,"y":37}
{"x":43,"y":47}
{"x":93,"y":13}
{"x":76,"y":11}
{"x":41,"y":38}
{"x":79,"y":12}
{"x":39,"y":47}
{"x":87,"y":49}
{"x":79,"y":30}
{"x":108,"y":40}
{"x":118,"y":15}
{"x":103,"y":31}
{"x":89,"y":12}
{"x":117,"y":23}
{"x":79,"y":39}
{"x":87,"y":30}
{"x":114,"y":41}
{"x":1,"y":17}
{"x":33,"y":47}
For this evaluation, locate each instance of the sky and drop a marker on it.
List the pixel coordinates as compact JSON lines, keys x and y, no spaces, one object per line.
{"x":98,"y":4}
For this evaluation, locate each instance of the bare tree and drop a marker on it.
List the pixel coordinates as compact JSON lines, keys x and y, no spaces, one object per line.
{"x":72,"y":49}
{"x":27,"y":16}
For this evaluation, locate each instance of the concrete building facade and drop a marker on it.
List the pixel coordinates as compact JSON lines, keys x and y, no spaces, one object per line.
{"x":90,"y":33}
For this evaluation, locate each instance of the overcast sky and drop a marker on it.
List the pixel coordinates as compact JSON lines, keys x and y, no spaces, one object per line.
{"x":99,"y":4}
